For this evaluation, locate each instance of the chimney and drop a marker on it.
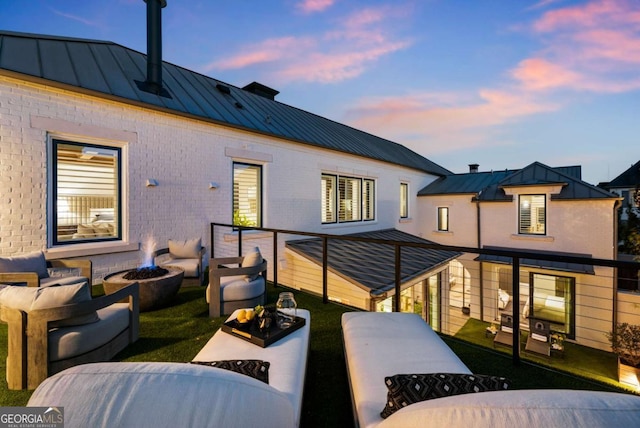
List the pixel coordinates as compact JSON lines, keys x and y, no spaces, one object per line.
{"x":153,"y":84}
{"x":473,"y":168}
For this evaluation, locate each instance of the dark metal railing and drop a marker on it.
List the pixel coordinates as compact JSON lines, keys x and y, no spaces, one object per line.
{"x":515,"y":255}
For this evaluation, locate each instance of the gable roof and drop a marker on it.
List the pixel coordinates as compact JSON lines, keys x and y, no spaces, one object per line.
{"x":369,"y":265}
{"x":109,"y":70}
{"x":628,"y":179}
{"x":489,"y":186}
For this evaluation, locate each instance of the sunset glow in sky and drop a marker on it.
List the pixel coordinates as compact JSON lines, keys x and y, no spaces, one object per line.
{"x":498,"y":83}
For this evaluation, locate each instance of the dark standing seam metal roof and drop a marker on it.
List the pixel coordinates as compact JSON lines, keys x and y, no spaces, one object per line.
{"x":489,"y":186}
{"x":369,"y":265}
{"x":628,"y":179}
{"x":109,"y":70}
{"x":537,"y":263}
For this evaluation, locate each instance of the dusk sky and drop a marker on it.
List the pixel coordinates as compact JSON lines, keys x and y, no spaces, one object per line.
{"x":498,"y":83}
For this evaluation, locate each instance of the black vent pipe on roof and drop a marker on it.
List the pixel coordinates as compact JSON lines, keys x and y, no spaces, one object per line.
{"x":153,"y":84}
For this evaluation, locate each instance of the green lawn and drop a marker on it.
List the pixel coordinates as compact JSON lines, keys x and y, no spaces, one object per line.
{"x":178,"y":332}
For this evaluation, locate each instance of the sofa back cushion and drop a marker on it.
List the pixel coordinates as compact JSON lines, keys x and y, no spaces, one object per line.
{"x":32,"y":298}
{"x":189,"y":249}
{"x":31,"y":262}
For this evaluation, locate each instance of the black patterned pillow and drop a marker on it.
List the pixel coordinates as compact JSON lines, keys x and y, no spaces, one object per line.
{"x":257,"y":369}
{"x":405,"y":389}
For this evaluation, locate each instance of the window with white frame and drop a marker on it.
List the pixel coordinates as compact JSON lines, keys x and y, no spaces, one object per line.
{"x":443,"y":219}
{"x":85,"y":191}
{"x":247,"y":194}
{"x":404,"y":200}
{"x":532,"y":215}
{"x":347,"y":199}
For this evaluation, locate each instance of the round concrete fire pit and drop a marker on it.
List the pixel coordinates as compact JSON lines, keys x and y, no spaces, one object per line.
{"x":154,"y":292}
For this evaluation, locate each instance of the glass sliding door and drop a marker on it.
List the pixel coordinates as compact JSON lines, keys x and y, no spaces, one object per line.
{"x":553,"y":299}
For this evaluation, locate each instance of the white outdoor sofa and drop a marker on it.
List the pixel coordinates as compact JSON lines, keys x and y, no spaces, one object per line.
{"x":385,"y":344}
{"x":157,"y":395}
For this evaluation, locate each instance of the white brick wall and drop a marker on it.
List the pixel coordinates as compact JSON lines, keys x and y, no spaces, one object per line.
{"x":183,"y":155}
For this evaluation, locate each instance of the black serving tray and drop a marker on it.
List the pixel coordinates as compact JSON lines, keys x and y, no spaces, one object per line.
{"x":252,"y":333}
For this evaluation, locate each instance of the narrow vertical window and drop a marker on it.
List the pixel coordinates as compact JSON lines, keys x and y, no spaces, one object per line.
{"x":532,"y":214}
{"x":328,"y":188}
{"x":368,"y":200}
{"x":404,"y":200}
{"x":443,"y":219}
{"x":86,"y":192}
{"x":247,"y":194}
{"x":350,"y":192}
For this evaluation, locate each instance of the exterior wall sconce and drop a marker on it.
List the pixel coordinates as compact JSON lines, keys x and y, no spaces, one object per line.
{"x":213,"y":185}
{"x":152,"y":182}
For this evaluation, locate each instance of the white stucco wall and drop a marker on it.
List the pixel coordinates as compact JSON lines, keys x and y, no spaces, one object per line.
{"x":184,"y":156}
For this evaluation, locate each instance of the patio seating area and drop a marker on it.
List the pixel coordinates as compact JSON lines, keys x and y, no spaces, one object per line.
{"x":180,"y":331}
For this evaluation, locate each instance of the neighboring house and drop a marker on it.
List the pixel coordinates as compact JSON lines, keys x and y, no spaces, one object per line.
{"x":540,"y":209}
{"x":98,"y":156}
{"x":627,"y":185}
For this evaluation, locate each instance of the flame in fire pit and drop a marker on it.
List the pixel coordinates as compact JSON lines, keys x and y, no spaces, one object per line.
{"x":148,"y":268}
{"x":148,"y":247}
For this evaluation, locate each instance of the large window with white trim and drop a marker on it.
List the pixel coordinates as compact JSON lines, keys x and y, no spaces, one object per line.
{"x":247,"y":194}
{"x":86,"y":192}
{"x":532,"y":215}
{"x":347,"y":199}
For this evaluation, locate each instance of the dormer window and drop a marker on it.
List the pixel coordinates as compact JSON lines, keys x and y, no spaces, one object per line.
{"x":532,"y":215}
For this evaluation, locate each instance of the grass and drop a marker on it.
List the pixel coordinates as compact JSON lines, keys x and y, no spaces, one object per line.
{"x":178,"y":332}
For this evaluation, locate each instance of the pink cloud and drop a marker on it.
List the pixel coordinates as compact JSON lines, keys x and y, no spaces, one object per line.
{"x":462,"y":122}
{"x":339,"y":53}
{"x":591,"y":47}
{"x":540,"y":74}
{"x":311,"y":6}
{"x":334,"y":67}
{"x":593,"y":14}
{"x":267,"y":51}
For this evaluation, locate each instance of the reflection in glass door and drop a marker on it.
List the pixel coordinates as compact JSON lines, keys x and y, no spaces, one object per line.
{"x":433,"y":314}
{"x":552,"y":300}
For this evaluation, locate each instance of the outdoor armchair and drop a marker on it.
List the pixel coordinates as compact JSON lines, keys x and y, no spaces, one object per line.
{"x":539,"y":340}
{"x":34,"y":270}
{"x":504,"y":336}
{"x":186,"y":255}
{"x":232,"y":288}
{"x":53,"y":328}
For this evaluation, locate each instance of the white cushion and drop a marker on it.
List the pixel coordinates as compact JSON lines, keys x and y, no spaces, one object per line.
{"x":234,"y":288}
{"x":32,"y":298}
{"x":189,"y":249}
{"x":31,"y":262}
{"x":539,"y":337}
{"x":253,"y":258}
{"x":506,"y":329}
{"x":379,"y":344}
{"x":162,"y":395}
{"x":190,"y":266}
{"x":523,"y":409}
